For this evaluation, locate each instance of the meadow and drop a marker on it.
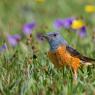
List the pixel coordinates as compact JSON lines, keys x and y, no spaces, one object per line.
{"x":25,"y":68}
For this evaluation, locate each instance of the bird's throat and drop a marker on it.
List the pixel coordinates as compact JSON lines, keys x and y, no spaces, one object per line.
{"x":54,"y":46}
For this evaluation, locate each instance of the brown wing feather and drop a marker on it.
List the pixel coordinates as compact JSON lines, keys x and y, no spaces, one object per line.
{"x":75,"y":53}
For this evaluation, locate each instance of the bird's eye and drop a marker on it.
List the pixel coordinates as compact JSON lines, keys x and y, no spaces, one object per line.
{"x":54,"y":35}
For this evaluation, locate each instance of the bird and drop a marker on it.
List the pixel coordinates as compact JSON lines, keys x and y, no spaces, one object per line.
{"x":61,"y":53}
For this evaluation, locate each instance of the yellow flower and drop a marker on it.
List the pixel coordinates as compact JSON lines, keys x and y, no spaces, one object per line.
{"x":77,"y":24}
{"x":89,"y":8}
{"x":40,"y":1}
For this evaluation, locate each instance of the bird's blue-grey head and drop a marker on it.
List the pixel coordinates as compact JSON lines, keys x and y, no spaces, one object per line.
{"x":55,"y":39}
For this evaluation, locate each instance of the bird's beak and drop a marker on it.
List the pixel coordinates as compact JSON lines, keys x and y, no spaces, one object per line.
{"x":45,"y":36}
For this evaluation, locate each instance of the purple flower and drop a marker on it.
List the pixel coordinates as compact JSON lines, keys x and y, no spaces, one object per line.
{"x":65,"y":23}
{"x":82,"y":32}
{"x":13,"y":39}
{"x":68,"y":22}
{"x":28,"y":27}
{"x":58,"y":23}
{"x":39,"y":37}
{"x":3,"y":47}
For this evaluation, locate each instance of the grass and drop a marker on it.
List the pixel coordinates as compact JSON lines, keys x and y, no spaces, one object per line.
{"x":18,"y":77}
{"x":27,"y":71}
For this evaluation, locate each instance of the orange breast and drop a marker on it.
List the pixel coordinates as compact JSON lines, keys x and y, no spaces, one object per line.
{"x":61,"y":57}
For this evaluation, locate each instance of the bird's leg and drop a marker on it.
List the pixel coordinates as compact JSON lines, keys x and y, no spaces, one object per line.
{"x":75,"y":77}
{"x":75,"y":66}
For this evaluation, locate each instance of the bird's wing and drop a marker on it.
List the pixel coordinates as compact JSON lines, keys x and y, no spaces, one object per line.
{"x":75,"y":53}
